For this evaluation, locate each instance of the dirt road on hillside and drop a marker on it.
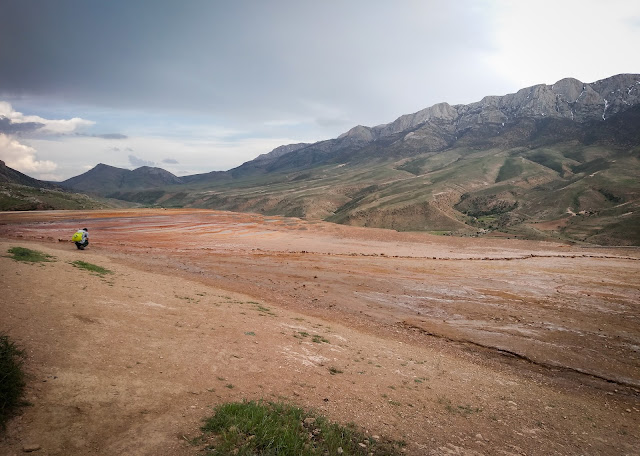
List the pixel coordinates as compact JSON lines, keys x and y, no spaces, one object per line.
{"x":457,"y":346}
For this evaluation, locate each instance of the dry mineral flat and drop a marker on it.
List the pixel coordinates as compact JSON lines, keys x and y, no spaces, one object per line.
{"x":455,"y":345}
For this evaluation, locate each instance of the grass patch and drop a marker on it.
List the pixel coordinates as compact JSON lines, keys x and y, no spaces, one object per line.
{"x":262,"y":309}
{"x":464,"y":410}
{"x":259,"y":428}
{"x":28,"y":255}
{"x":98,"y":270}
{"x":11,"y":379}
{"x":319,"y":339}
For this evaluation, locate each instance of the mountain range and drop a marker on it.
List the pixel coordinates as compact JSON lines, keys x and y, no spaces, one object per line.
{"x":554,"y":161}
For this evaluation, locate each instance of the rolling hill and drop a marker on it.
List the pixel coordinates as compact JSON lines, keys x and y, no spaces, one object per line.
{"x":19,"y":192}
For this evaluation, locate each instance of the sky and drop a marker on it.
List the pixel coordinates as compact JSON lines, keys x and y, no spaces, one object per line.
{"x":194,"y":86}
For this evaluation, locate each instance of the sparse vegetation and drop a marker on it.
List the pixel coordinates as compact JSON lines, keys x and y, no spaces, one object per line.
{"x":262,"y":309}
{"x":98,"y":270}
{"x":12,"y":380}
{"x":29,"y":256}
{"x":463,"y":409}
{"x":259,"y":428}
{"x":316,"y":338}
{"x":17,"y":197}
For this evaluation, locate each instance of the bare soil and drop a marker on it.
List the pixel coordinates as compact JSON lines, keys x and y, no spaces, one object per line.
{"x":455,"y":345}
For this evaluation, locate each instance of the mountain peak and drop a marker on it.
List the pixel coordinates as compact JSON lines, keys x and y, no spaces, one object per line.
{"x":105,"y":179}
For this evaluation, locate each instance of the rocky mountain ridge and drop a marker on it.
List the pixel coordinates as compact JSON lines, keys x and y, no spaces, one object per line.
{"x":432,"y":129}
{"x":442,"y":123}
{"x":568,"y":98}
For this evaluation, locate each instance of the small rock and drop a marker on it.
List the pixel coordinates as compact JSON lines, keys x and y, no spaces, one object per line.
{"x":628,"y":410}
{"x":375,"y":437}
{"x":479,"y":437}
{"x":309,"y":421}
{"x":362,"y":445}
{"x":340,"y":450}
{"x":31,"y":448}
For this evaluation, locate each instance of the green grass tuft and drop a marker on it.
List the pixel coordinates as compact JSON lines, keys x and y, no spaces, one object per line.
{"x":11,"y":379}
{"x":319,"y":339}
{"x":259,"y":428}
{"x":28,"y":255}
{"x":99,"y":270}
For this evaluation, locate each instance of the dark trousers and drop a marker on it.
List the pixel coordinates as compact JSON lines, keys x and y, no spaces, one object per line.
{"x":82,"y":245}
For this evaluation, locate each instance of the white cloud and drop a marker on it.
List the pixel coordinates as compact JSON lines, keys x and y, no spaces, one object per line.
{"x":56,"y":126}
{"x":24,"y":159}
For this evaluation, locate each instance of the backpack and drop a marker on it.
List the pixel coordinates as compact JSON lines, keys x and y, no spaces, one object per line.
{"x":77,"y":236}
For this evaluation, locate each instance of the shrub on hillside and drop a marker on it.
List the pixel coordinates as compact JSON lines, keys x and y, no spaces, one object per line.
{"x":11,"y":379}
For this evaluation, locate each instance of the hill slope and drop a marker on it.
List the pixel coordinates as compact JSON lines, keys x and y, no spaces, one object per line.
{"x":19,"y":192}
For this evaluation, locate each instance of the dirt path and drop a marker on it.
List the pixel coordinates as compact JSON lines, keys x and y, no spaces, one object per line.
{"x":205,"y":307}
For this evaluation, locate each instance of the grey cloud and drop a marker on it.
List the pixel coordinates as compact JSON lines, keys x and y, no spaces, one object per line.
{"x":203,"y":56}
{"x":9,"y":127}
{"x":137,"y":162}
{"x":170,"y":161}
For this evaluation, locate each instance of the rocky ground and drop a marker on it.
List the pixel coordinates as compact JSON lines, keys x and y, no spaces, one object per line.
{"x":456,"y":346}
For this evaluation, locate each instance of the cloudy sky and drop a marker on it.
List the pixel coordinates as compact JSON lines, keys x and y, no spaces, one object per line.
{"x":200,"y":85}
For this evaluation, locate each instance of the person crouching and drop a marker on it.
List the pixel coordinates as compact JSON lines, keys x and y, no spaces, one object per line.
{"x":81,"y":238}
